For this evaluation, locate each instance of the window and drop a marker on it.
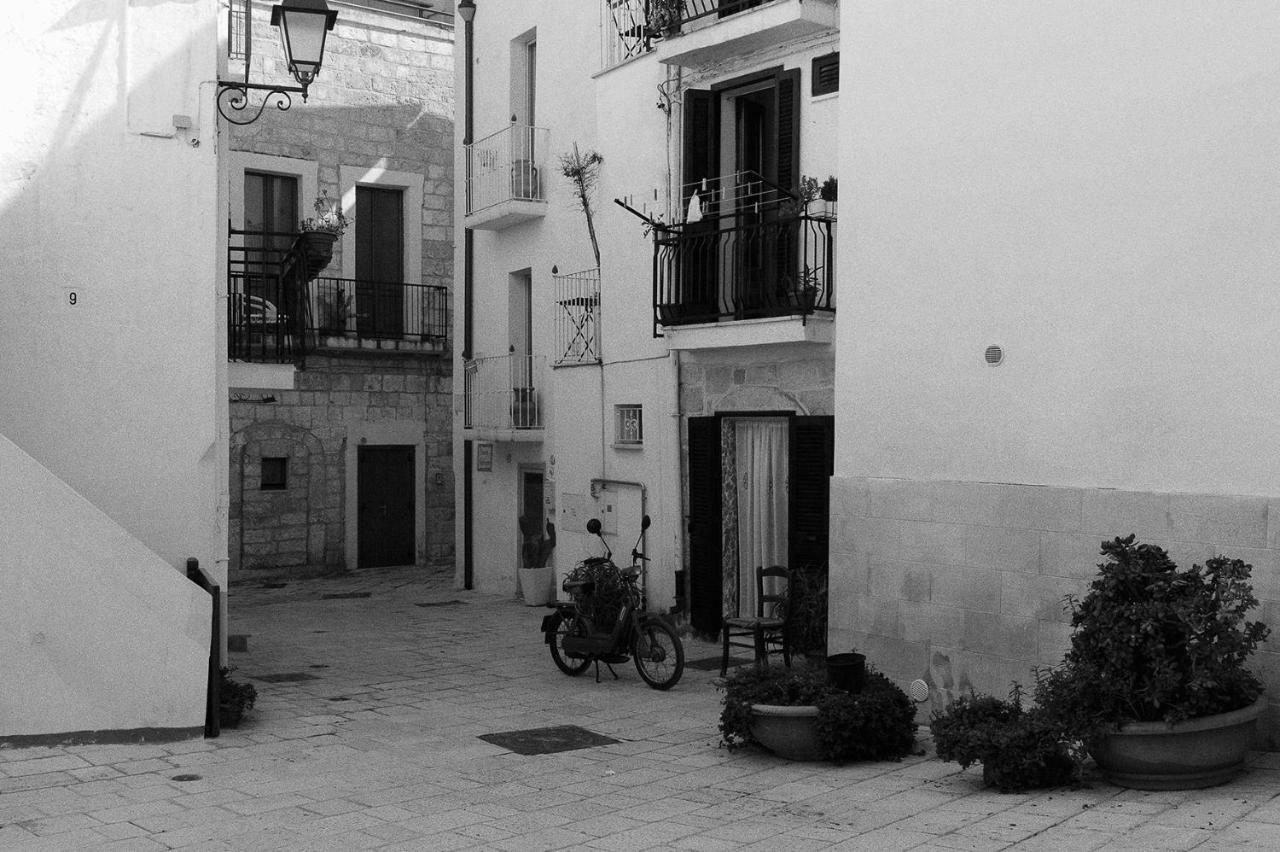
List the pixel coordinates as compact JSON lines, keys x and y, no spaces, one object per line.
{"x":275,"y":473}
{"x":826,"y":74}
{"x":628,"y":425}
{"x":237,"y":29}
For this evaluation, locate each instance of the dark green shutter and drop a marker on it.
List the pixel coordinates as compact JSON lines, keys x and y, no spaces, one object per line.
{"x":705,"y":585}
{"x":789,"y":128}
{"x":809,"y":498}
{"x":695,"y":294}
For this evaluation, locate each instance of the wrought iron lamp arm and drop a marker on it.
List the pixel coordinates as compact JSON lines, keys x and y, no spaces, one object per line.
{"x":234,"y":96}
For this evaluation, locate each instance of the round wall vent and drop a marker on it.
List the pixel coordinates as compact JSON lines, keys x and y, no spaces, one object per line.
{"x":918,"y":690}
{"x":994,"y":355}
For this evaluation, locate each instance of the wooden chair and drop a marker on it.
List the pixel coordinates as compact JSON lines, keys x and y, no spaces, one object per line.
{"x":768,"y":629}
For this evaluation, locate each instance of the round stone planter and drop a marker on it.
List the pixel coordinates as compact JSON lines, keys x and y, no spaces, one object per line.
{"x":789,"y":732}
{"x":1186,"y":755}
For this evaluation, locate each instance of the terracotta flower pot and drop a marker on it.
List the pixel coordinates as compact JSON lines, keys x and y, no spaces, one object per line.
{"x":1188,"y":755}
{"x":317,"y":250}
{"x":789,"y":732}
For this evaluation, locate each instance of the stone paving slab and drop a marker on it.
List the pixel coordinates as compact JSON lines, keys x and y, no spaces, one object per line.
{"x":380,"y":750}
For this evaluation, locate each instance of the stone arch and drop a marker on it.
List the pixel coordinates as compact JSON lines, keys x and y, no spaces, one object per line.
{"x":277,"y":530}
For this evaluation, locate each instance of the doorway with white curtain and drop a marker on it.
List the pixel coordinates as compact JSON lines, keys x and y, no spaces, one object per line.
{"x":755,"y":460}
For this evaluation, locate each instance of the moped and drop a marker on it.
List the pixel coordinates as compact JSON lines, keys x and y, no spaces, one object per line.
{"x":646,"y":637}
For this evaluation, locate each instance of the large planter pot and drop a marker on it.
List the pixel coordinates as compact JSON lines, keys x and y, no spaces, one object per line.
{"x":317,"y":251}
{"x":535,"y":585}
{"x":789,"y":732}
{"x":1186,"y":755}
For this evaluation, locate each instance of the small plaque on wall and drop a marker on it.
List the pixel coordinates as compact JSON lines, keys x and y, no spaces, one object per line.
{"x":484,"y":455}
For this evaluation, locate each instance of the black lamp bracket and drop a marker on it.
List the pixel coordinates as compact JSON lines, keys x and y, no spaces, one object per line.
{"x":233,"y":99}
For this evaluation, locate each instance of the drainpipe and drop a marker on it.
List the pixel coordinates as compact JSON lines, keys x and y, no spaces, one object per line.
{"x":467,"y":11}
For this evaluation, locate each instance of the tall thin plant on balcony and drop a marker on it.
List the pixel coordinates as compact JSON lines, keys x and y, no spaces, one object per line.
{"x":583,"y":170}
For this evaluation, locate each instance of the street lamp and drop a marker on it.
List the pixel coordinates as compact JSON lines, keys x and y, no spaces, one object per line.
{"x":303,"y":26}
{"x":467,"y":11}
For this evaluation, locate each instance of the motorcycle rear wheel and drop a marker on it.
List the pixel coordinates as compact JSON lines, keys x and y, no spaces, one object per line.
{"x":659,"y":655}
{"x":569,"y":665}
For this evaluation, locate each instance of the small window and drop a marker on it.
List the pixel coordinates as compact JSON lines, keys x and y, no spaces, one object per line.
{"x":237,"y":29}
{"x":628,"y":425}
{"x":826,"y":74}
{"x":275,"y":473}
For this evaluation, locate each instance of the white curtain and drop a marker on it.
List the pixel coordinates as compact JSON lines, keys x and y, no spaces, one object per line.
{"x":761,"y":481}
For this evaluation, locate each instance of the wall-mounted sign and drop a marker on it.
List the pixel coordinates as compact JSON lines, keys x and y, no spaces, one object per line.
{"x":484,"y":455}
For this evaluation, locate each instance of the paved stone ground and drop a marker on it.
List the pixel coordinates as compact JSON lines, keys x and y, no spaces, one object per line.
{"x":380,"y":751}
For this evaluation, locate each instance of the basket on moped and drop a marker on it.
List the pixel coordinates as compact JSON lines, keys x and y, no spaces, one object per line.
{"x":605,"y":621}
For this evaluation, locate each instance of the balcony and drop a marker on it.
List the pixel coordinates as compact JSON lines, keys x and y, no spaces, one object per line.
{"x":577,"y":318}
{"x":746,"y":278}
{"x":276,"y":316}
{"x":502,"y":397}
{"x":705,"y":32}
{"x":506,"y":178}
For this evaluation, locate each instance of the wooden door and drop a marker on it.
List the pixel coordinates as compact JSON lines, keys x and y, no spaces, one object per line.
{"x":384,"y":496}
{"x":379,"y":261}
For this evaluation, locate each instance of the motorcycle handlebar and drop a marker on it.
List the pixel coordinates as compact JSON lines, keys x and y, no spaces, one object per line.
{"x":635,"y":554}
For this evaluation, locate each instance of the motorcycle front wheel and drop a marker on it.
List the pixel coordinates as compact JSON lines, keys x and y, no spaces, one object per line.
{"x":567,"y":664}
{"x":659,"y":655}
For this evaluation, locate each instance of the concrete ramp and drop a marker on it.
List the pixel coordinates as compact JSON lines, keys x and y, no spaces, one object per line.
{"x":97,"y":633}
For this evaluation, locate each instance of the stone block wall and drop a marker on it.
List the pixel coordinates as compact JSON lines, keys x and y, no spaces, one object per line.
{"x":800,"y":383}
{"x":384,"y":98}
{"x":963,"y":583}
{"x":301,"y":530}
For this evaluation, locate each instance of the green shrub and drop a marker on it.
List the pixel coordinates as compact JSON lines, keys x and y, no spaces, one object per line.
{"x":1019,"y":749}
{"x":234,"y":699}
{"x":876,"y":724}
{"x":1155,"y":643}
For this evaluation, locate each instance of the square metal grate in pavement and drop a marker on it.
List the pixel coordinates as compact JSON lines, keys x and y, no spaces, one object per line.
{"x":547,"y":740}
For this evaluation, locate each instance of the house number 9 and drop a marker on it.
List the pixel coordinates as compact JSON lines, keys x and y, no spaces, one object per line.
{"x":72,"y":297}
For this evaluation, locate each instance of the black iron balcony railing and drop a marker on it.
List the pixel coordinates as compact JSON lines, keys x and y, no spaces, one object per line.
{"x":745,"y":266}
{"x":276,"y":315}
{"x":355,"y":311}
{"x":668,"y":16}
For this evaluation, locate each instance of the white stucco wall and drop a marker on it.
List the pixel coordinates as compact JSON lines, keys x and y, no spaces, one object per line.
{"x":1091,"y":186}
{"x":103,"y":197}
{"x":113,"y":373}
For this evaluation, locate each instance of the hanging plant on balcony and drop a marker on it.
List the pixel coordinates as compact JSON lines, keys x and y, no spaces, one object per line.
{"x":319,"y":233}
{"x":584,"y":171}
{"x":664,"y":17}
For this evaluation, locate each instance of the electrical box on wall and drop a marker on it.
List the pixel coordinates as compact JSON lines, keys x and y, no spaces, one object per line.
{"x":608,"y":515}
{"x":573,"y":514}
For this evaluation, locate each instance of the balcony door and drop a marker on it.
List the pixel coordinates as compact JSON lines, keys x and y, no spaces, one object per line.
{"x":379,"y":229}
{"x":734,"y":263}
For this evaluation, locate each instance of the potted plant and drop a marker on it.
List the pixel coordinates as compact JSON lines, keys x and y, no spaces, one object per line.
{"x":1155,"y":682}
{"x":807,"y":288}
{"x":798,"y":714}
{"x":664,"y":17}
{"x":535,"y":576}
{"x":335,"y":310}
{"x":1019,"y":748}
{"x":234,"y":699}
{"x":319,"y":233}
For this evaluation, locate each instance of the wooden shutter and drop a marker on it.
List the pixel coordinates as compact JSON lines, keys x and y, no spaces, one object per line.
{"x":809,"y":497}
{"x":694,"y":297}
{"x":826,"y":74}
{"x":789,"y":128}
{"x":705,"y":595}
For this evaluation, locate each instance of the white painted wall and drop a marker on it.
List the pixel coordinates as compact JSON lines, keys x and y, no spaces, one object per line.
{"x":101,"y":195}
{"x":98,"y":631}
{"x":122,"y":394}
{"x":1093,"y":187}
